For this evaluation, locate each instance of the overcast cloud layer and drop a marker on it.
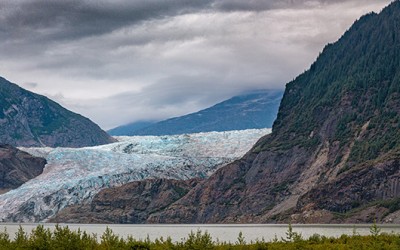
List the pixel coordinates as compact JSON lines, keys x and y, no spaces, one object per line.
{"x":127,"y":60}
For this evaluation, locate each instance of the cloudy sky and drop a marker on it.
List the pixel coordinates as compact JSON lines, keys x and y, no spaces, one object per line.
{"x":120,"y":61}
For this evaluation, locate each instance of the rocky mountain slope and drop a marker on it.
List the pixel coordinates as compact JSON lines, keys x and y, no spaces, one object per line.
{"x":334,"y":152}
{"x":136,"y":202}
{"x":249,"y":111}
{"x":73,"y":176}
{"x":17,"y":167}
{"x":28,"y":119}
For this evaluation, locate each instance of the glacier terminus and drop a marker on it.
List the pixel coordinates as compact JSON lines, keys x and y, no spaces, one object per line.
{"x":74,"y":175}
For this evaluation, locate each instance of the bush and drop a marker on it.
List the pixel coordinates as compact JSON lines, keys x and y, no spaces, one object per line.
{"x":64,"y":238}
{"x":198,"y":241}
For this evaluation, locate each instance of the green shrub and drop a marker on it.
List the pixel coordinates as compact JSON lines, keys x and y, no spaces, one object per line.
{"x":40,"y":238}
{"x":198,"y":241}
{"x":5,"y":242}
{"x":64,"y":238}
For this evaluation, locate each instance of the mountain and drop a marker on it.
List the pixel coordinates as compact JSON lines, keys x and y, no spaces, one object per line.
{"x":73,"y":176}
{"x":248,"y":111}
{"x":129,"y":129}
{"x":17,"y":167}
{"x":334,"y":153}
{"x":28,"y":119}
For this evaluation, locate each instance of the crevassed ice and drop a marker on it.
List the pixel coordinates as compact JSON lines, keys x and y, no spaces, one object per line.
{"x":75,"y":175}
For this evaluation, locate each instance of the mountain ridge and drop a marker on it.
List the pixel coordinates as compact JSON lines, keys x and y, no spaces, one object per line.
{"x":253,"y":110}
{"x":29,"y":119}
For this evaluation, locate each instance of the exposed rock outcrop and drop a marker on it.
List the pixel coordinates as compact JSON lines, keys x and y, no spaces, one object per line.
{"x":17,"y":167}
{"x":134,"y":202}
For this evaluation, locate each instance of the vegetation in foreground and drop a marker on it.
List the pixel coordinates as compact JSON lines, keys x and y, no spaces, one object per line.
{"x":64,"y":238}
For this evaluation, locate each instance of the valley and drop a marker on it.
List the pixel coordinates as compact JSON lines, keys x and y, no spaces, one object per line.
{"x":331,"y":156}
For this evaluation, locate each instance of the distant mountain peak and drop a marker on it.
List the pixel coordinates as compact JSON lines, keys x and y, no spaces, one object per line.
{"x":251,"y":110}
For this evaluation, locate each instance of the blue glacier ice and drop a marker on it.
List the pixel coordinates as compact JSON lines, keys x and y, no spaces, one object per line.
{"x":74,"y":175}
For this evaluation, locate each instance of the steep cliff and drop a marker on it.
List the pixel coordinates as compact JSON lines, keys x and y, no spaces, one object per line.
{"x":17,"y":167}
{"x":28,"y":119}
{"x":335,"y":146}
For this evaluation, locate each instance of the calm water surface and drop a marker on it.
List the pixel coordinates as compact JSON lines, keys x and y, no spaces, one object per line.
{"x":222,"y":232}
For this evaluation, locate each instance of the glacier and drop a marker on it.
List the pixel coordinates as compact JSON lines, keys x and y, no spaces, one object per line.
{"x":74,"y":175}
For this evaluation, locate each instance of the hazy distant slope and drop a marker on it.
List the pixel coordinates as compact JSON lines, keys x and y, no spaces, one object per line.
{"x":129,"y":129}
{"x":29,"y":119}
{"x":255,"y":110}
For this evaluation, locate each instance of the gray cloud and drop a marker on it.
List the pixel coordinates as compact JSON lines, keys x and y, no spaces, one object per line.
{"x":30,"y":85}
{"x":121,"y":61}
{"x":72,"y":19}
{"x":262,"y":5}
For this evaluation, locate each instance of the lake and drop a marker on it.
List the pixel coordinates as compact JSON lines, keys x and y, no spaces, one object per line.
{"x":222,"y":232}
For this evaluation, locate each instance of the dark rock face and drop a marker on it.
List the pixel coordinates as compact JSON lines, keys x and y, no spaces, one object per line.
{"x":242,"y":192}
{"x":361,"y":186}
{"x":17,"y":167}
{"x":248,"y":111}
{"x":135,"y":202}
{"x":28,"y":119}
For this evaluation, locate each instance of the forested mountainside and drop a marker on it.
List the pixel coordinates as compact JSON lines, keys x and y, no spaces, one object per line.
{"x":29,"y":119}
{"x":248,"y":111}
